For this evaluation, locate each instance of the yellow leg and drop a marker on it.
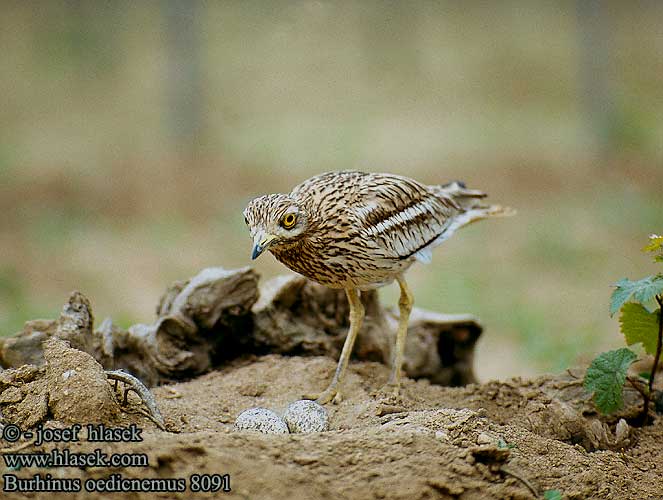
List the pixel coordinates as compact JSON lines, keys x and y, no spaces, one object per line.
{"x":405,"y":305}
{"x":356,"y":319}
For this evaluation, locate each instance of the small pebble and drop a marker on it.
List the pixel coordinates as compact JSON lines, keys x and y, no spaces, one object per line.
{"x":485,"y":438}
{"x":261,"y":420}
{"x":442,"y":435}
{"x":306,"y":416}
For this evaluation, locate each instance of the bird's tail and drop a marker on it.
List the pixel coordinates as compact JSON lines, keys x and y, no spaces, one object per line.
{"x":470,"y":203}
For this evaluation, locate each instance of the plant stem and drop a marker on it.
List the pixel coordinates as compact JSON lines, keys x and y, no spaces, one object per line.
{"x":635,"y":385}
{"x":657,"y":358}
{"x":659,"y":344}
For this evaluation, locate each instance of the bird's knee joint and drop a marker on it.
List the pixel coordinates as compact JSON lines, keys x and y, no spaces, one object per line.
{"x":356,"y":318}
{"x":357,"y":313}
{"x":406,"y":303}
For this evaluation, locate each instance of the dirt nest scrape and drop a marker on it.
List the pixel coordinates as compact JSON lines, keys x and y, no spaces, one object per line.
{"x":479,"y":441}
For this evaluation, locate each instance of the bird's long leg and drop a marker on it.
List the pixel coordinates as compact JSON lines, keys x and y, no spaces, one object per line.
{"x":356,"y":319}
{"x":405,"y":306}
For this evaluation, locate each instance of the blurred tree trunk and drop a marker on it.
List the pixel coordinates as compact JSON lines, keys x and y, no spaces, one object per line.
{"x":184,"y":76}
{"x":595,"y":54}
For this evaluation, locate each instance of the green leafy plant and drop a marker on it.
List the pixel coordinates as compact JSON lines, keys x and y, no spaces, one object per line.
{"x":641,"y":322}
{"x":552,"y":495}
{"x":503,"y":445}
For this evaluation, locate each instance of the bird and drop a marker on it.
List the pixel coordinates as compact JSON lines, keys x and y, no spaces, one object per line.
{"x":359,"y":231}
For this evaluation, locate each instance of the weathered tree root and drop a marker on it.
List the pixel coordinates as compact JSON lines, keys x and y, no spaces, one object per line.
{"x":133,"y":384}
{"x":517,"y":475}
{"x":221,"y":314}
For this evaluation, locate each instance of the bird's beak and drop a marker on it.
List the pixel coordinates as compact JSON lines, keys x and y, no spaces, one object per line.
{"x":261,"y":243}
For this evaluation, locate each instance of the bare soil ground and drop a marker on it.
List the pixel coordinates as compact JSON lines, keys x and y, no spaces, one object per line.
{"x":508,"y":439}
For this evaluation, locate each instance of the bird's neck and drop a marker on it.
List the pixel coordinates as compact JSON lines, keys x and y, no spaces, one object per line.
{"x":286,"y":248}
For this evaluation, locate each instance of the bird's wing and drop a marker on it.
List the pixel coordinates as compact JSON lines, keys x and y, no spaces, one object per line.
{"x":399,"y":217}
{"x":388,"y":216}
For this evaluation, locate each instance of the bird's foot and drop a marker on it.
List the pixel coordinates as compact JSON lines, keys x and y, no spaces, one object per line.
{"x":330,"y":394}
{"x":390,"y":389}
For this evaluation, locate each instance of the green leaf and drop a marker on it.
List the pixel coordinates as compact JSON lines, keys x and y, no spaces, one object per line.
{"x":552,"y":495}
{"x":605,"y":377}
{"x":655,"y":243}
{"x":642,"y":291}
{"x":501,"y":444}
{"x":639,"y":325}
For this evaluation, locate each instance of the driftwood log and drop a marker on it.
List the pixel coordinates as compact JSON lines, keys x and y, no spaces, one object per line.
{"x":220,"y":314}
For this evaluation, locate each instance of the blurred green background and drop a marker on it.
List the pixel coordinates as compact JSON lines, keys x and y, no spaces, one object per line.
{"x":132,"y":134}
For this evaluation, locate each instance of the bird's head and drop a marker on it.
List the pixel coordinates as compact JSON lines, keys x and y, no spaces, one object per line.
{"x":274,"y":220}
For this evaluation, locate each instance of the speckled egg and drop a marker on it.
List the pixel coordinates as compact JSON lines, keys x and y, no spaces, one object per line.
{"x":260,"y":420}
{"x":306,"y":416}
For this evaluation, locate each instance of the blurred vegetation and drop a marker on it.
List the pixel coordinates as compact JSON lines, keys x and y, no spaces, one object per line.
{"x":132,"y":135}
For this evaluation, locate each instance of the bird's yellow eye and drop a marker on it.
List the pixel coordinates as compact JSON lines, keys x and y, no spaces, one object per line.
{"x":288,"y":221}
